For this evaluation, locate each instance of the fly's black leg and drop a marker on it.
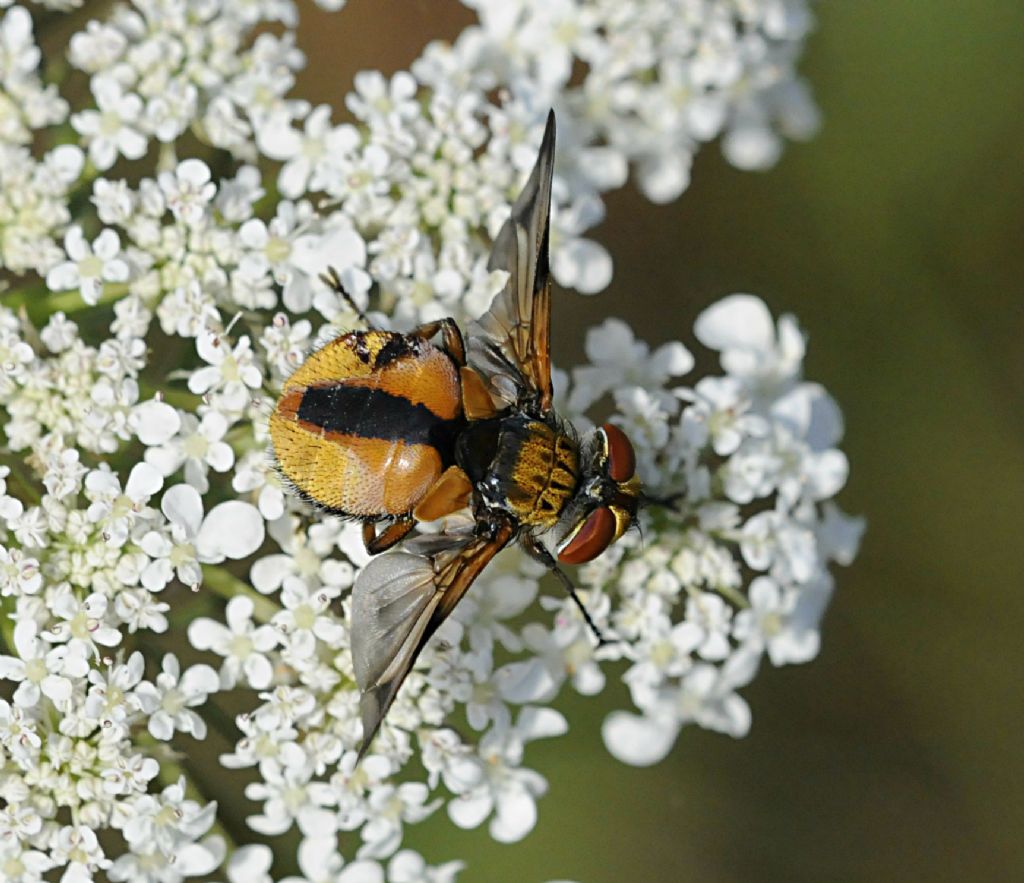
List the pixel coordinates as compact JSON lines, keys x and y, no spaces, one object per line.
{"x":454,"y":345}
{"x":332,"y":280}
{"x":537,"y":551}
{"x":491,"y":522}
{"x":380,"y":542}
{"x":451,"y":338}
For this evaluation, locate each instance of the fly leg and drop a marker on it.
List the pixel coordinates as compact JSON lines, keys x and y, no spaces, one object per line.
{"x":332,"y":280}
{"x":477,"y":403}
{"x":380,"y":542}
{"x":451,"y":337}
{"x":537,"y":551}
{"x":451,"y":492}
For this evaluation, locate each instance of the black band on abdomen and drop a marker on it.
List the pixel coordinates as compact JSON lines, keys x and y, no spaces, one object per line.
{"x":374,"y":413}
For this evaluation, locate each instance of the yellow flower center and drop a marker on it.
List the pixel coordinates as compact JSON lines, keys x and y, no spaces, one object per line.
{"x":110,"y":123}
{"x":240,"y":646}
{"x":304,"y":616}
{"x":278,"y":249}
{"x":90,"y":267}
{"x":196,"y":446}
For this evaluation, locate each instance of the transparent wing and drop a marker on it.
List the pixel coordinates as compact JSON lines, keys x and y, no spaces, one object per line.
{"x":510,"y":344}
{"x":399,"y":600}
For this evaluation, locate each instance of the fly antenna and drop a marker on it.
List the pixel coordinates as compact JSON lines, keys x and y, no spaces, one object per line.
{"x":669,"y":501}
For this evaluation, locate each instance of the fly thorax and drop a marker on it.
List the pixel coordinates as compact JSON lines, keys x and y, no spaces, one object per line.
{"x":522,"y":465}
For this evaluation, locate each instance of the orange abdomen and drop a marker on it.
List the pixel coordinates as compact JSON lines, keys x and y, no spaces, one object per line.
{"x":367,"y":424}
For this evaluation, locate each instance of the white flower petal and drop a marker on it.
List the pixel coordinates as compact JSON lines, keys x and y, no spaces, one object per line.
{"x":250,"y":864}
{"x":605,"y":167}
{"x":75,"y":244}
{"x":639,"y":741}
{"x":131,"y":143}
{"x":230,"y":530}
{"x":106,"y":245}
{"x":143,"y":482}
{"x":293,"y":177}
{"x":540,"y":723}
{"x":515,"y":818}
{"x":154,"y":422}
{"x":258,"y":671}
{"x":584,"y":265}
{"x":12,"y":669}
{"x":220,"y":456}
{"x":67,"y":160}
{"x":56,"y":688}
{"x":183,"y":506}
{"x":752,"y":147}
{"x":269,"y":572}
{"x":740,"y":321}
{"x":238,"y":613}
{"x":673,"y":359}
{"x":341,"y":248}
{"x":205,"y":633}
{"x":160,"y":726}
{"x":196,"y":859}
{"x":193,"y":172}
{"x":665,"y":176}
{"x":826,"y":474}
{"x":362,"y":871}
{"x":211,"y":349}
{"x":468,"y":811}
{"x":63,"y":277}
{"x":527,"y":681}
{"x":200,"y":679}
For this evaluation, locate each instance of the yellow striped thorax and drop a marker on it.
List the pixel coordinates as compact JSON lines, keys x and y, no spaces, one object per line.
{"x":544,"y":475}
{"x":525,"y":466}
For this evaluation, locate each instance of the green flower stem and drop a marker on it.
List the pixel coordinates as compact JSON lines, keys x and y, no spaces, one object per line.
{"x":71,"y":301}
{"x":733,"y":596}
{"x":240,"y":438}
{"x":179,"y":398}
{"x":171,"y":771}
{"x":40,"y":303}
{"x":19,"y":481}
{"x":218,"y":719}
{"x":55,"y":71}
{"x":7,"y":609}
{"x":23,"y":295}
{"x":224,"y":583}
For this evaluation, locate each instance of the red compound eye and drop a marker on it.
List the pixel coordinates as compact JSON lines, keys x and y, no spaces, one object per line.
{"x":590,"y":540}
{"x":621,"y":457}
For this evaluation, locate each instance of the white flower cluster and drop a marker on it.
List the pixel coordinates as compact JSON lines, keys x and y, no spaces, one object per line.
{"x":427,"y":180}
{"x":734,"y":565}
{"x":33,"y":192}
{"x":134,"y":469}
{"x":25,"y":103}
{"x":79,"y":570}
{"x":645,"y":83}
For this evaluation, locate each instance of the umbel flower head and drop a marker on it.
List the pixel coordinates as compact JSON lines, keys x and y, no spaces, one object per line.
{"x":162,"y":241}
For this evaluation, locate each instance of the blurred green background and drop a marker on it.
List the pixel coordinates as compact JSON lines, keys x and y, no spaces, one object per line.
{"x":896,"y":238}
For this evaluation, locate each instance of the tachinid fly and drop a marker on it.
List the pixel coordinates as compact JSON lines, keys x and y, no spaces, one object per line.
{"x":393,"y":430}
